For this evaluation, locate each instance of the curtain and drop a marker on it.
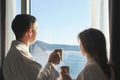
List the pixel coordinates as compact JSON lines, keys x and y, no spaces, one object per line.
{"x":114,"y":22}
{"x":2,"y":34}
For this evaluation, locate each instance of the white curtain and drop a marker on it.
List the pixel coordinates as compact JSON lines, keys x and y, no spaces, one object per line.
{"x":10,"y":13}
{"x":100,"y":18}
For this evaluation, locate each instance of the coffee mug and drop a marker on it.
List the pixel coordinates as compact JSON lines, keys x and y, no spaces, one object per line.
{"x":65,"y":69}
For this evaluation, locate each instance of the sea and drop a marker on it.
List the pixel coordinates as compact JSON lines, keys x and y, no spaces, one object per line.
{"x":74,"y":59}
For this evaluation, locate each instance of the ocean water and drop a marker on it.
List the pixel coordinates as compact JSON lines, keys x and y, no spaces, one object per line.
{"x":74,"y":59}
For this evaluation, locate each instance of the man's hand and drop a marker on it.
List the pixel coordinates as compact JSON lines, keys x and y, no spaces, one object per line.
{"x":65,"y":76}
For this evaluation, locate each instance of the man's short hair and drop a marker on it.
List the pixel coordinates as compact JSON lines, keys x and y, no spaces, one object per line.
{"x":21,"y":23}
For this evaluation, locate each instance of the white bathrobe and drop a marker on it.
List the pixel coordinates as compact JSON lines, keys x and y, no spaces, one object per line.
{"x":93,"y":71}
{"x":49,"y":73}
{"x":19,"y":64}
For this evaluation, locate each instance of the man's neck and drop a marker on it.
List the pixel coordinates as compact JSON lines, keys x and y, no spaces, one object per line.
{"x":53,"y":64}
{"x":25,"y":42}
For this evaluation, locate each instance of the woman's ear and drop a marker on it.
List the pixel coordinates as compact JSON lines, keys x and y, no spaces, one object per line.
{"x":82,"y":49}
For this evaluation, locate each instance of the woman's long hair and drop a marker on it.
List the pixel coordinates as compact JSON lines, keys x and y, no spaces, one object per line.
{"x":94,"y":44}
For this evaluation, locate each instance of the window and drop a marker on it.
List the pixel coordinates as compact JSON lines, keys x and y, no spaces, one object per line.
{"x":60,"y":21}
{"x":18,"y":6}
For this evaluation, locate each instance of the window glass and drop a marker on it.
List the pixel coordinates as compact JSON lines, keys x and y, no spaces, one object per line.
{"x":18,"y":6}
{"x":59,"y":22}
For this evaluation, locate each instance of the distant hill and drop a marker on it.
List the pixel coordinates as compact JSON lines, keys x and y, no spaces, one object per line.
{"x":46,"y":46}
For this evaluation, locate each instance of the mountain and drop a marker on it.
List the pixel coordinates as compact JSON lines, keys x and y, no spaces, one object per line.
{"x":46,"y":46}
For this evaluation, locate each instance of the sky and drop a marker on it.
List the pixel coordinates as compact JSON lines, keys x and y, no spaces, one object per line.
{"x":60,"y":21}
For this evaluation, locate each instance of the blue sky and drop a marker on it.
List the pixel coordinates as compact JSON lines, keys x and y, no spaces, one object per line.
{"x":60,"y":21}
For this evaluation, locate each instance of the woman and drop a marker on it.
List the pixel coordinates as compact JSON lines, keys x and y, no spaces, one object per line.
{"x":93,"y":47}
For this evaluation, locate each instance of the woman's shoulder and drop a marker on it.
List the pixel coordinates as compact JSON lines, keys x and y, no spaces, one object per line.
{"x":92,"y":64}
{"x":92,"y":71}
{"x":92,"y":67}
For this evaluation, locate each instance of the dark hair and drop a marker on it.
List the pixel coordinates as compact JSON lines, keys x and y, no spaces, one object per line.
{"x":94,"y":44}
{"x":21,"y":24}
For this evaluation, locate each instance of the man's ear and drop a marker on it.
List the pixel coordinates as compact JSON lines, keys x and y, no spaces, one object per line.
{"x":29,"y":32}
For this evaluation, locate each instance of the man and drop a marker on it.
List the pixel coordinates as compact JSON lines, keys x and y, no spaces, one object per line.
{"x":19,"y":64}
